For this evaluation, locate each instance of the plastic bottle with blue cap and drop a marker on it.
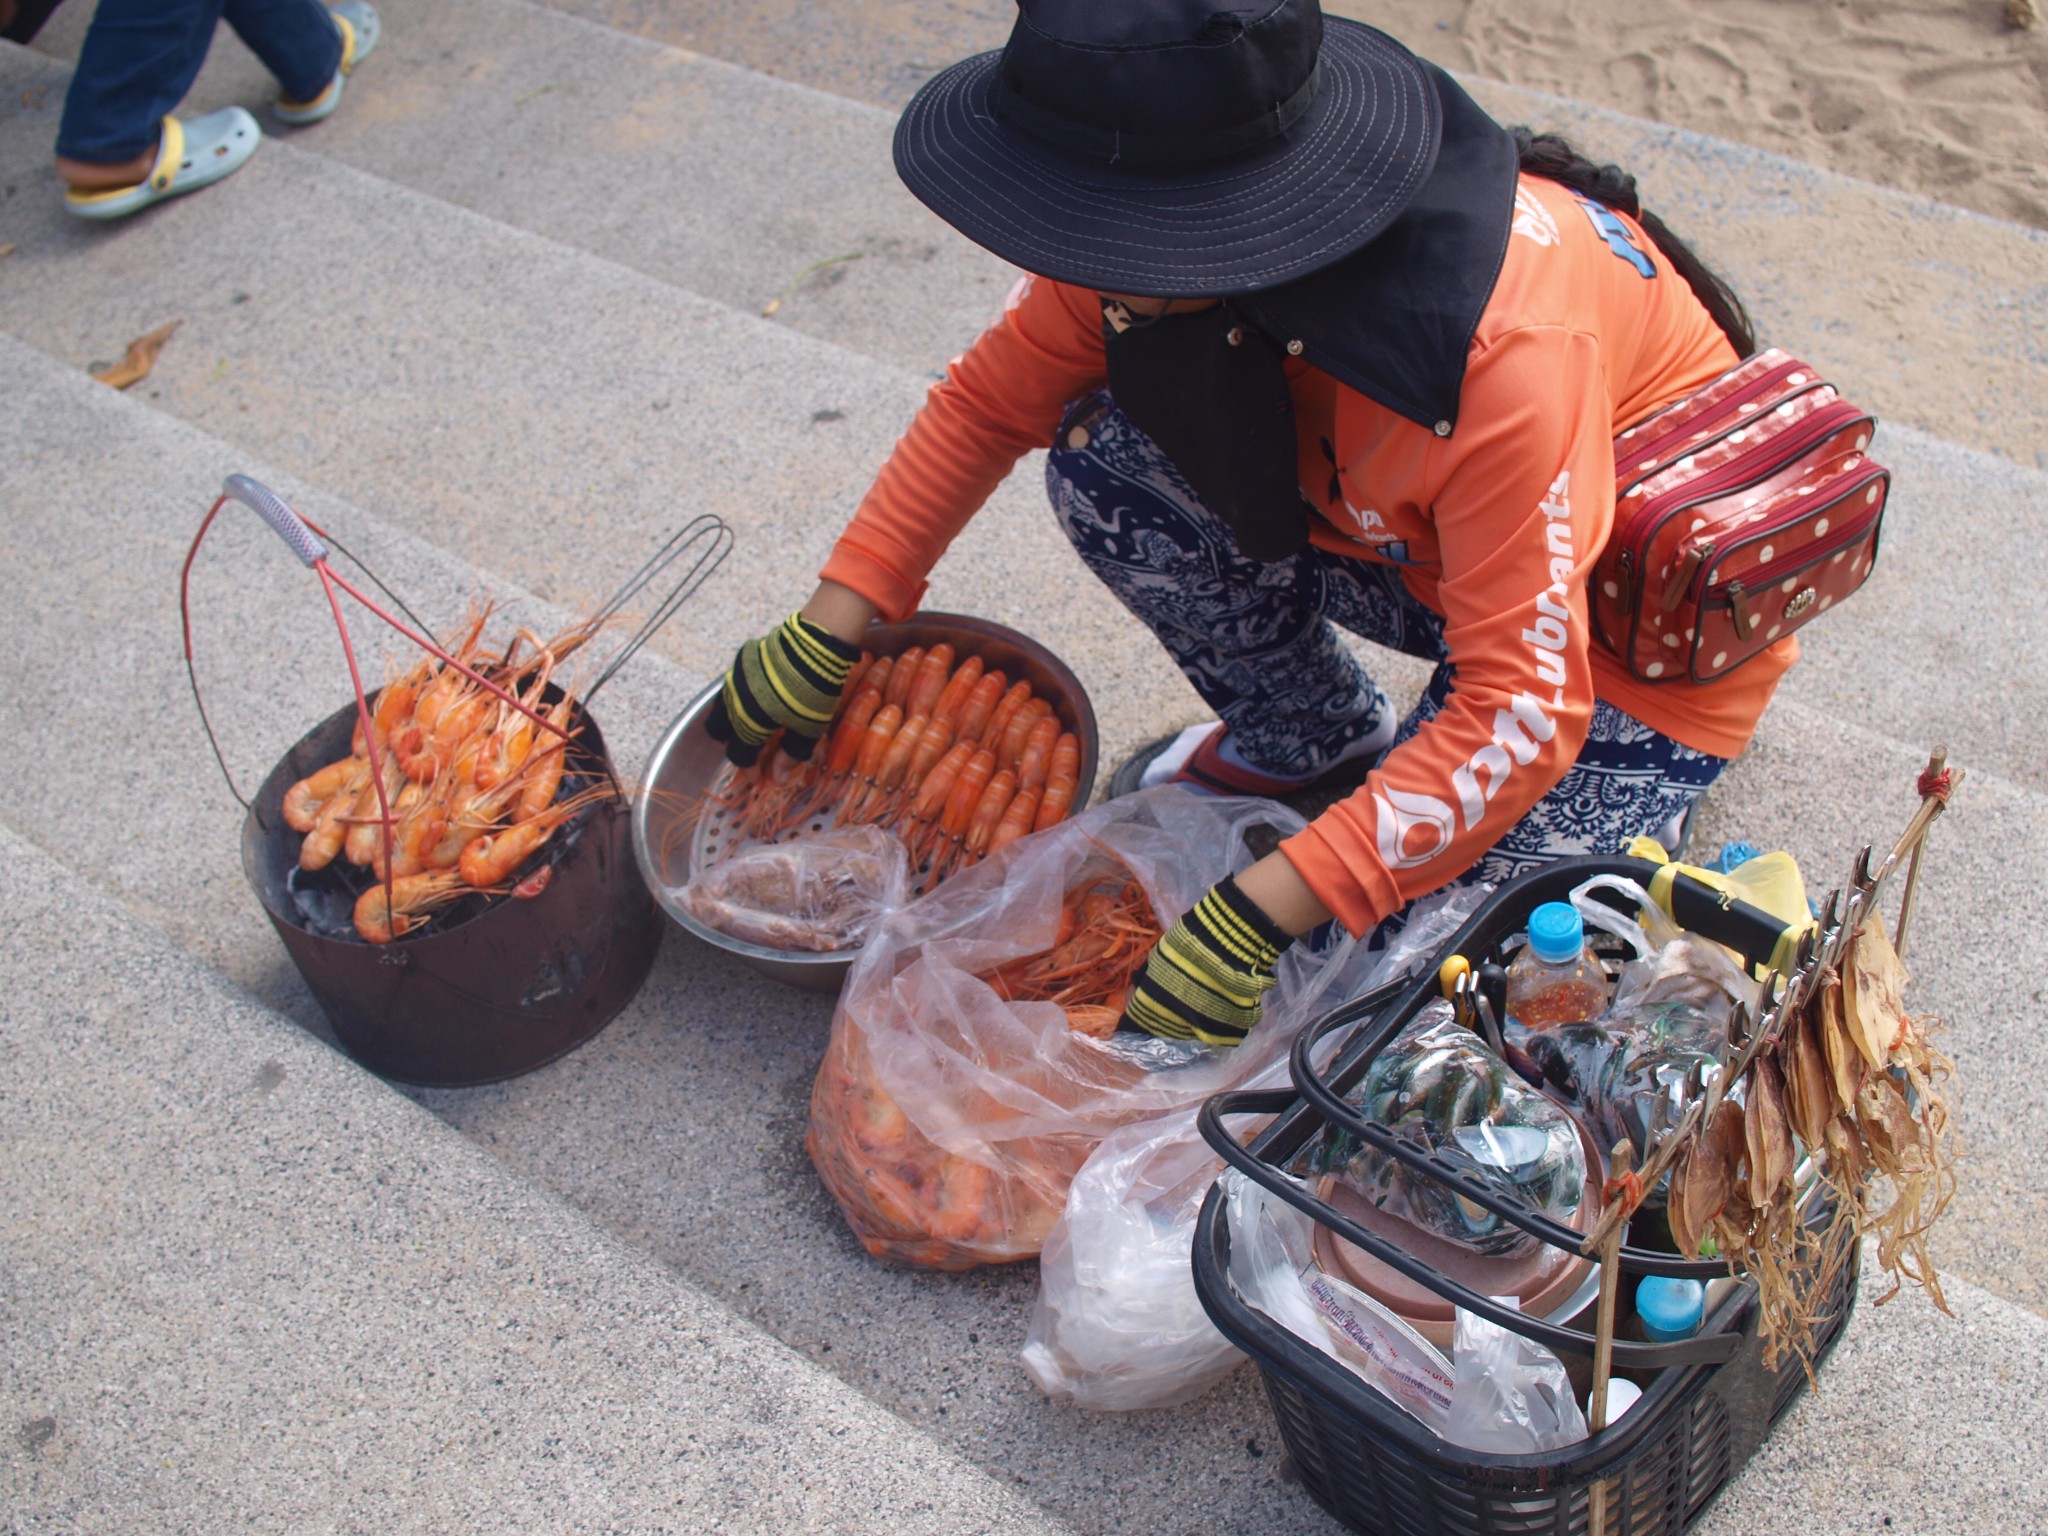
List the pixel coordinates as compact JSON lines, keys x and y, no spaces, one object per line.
{"x":1555,"y":980}
{"x":1669,"y":1309}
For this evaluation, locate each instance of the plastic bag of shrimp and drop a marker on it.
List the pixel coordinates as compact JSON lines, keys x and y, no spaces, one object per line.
{"x":1118,"y":1325}
{"x":973,"y":1064}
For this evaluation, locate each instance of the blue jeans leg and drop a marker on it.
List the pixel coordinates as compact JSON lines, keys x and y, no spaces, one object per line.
{"x":140,"y":58}
{"x":297,"y":41}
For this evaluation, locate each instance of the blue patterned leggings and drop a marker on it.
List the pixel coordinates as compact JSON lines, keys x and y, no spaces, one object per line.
{"x":1256,"y":641}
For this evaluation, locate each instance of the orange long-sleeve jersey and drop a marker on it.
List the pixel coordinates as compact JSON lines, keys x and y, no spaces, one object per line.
{"x":1495,"y":525}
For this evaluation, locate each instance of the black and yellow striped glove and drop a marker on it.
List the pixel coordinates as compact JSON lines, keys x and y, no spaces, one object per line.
{"x":1209,"y":973}
{"x":788,"y":681}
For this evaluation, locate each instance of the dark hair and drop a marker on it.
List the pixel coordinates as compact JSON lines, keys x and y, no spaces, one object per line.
{"x":1548,"y":155}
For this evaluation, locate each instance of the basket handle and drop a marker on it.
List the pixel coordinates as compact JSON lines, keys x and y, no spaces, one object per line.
{"x":1701,"y":1349}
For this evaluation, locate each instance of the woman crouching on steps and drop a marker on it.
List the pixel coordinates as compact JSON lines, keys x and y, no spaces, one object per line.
{"x":1314,"y":342}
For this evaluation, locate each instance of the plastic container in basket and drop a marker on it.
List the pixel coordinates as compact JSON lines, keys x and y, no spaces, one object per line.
{"x":1708,"y":1401}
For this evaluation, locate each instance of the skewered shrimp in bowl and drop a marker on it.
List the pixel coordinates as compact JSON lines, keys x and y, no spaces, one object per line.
{"x":955,"y":734}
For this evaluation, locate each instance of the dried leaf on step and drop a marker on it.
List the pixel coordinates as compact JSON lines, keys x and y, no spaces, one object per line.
{"x":141,"y":358}
{"x":1768,"y":1134}
{"x":1873,"y":985}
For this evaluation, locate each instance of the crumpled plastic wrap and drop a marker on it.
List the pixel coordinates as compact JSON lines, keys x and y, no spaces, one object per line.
{"x":1118,"y":1324}
{"x":1513,"y":1396}
{"x":820,"y":893}
{"x":1441,"y":1089}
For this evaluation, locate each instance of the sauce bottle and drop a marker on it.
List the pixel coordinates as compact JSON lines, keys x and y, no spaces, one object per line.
{"x":1554,"y":980}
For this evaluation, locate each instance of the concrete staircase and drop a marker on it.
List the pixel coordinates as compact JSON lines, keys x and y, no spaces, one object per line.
{"x":497,"y":324}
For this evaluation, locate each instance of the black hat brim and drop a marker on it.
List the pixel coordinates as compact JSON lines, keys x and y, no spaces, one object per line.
{"x":1309,"y":197}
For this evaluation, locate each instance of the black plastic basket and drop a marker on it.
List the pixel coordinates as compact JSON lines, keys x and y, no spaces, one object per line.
{"x":1708,"y":1401}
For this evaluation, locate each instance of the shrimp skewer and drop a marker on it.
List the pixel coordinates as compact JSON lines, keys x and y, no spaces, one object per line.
{"x":1016,"y":820}
{"x":1062,"y":782}
{"x":902,"y":676}
{"x":1019,"y":730}
{"x":980,"y":705}
{"x":988,"y":811}
{"x":330,"y":828}
{"x":965,"y":679}
{"x":1036,"y":758}
{"x":873,"y":801}
{"x":960,"y":803}
{"x":874,"y":746}
{"x":1006,"y":710}
{"x":934,"y":792}
{"x":933,"y":673}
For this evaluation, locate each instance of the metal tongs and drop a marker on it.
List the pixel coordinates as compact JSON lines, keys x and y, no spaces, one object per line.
{"x":707,"y":538}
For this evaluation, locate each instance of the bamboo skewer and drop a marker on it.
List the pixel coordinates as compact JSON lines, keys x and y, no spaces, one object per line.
{"x":1603,"y":1337}
{"x":1931,"y":806}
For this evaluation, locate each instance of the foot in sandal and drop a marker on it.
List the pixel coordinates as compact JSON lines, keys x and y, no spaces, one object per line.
{"x":188,"y":156}
{"x":360,"y":29}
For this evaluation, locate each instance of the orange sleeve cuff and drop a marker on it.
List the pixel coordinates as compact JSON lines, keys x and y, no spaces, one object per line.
{"x":874,"y":578}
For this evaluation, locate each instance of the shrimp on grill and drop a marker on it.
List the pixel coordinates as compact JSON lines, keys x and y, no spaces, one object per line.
{"x":412,"y":898}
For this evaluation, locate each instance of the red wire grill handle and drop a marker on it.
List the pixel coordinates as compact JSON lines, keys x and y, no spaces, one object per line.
{"x":307,"y":542}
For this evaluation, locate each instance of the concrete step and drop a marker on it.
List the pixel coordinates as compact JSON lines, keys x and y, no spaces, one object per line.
{"x":679,"y":1128}
{"x":684,"y":168}
{"x":732,"y":184}
{"x":409,"y":375}
{"x":249,"y":1287}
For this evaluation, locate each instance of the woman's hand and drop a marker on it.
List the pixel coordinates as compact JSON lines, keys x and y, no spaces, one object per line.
{"x":1207,"y":977}
{"x":790,"y":680}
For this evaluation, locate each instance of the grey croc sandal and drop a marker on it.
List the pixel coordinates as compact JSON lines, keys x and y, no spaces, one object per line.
{"x":360,"y":29}
{"x":188,"y":156}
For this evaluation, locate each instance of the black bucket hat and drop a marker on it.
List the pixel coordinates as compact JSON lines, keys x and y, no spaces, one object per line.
{"x":1171,"y":148}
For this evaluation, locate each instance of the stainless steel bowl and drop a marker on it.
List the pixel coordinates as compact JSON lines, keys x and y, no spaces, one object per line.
{"x":671,"y":840}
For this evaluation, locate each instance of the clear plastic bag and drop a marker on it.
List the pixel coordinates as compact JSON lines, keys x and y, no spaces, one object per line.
{"x":1272,"y":1267}
{"x":1500,"y":1392}
{"x":1636,"y":1069}
{"x":1513,"y":1396}
{"x":818,"y":893}
{"x":1438,"y":1087}
{"x":947,"y":1121}
{"x":1118,"y":1324}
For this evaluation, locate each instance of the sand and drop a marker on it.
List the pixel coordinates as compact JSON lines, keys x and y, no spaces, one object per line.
{"x":1940,"y":97}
